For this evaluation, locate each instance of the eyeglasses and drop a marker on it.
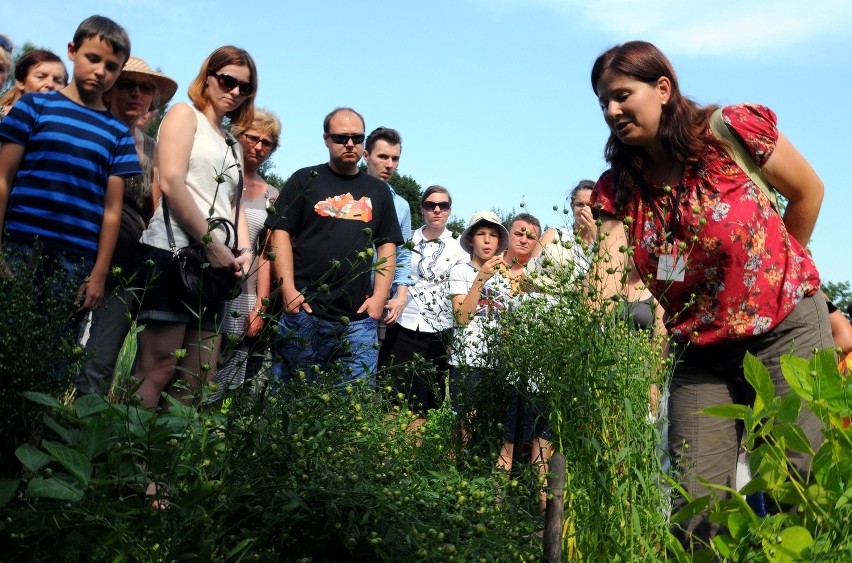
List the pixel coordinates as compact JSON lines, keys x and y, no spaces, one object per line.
{"x":342,"y":139}
{"x":127,"y":85}
{"x":254,"y":139}
{"x":433,"y":205}
{"x":6,"y":44}
{"x":227,"y":83}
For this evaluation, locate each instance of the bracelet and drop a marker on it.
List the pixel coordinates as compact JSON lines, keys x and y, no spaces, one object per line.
{"x":245,"y":250}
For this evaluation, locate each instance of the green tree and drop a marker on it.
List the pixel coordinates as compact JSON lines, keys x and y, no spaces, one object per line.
{"x":840,"y":293}
{"x":270,"y":177}
{"x":410,"y":190}
{"x":457,"y":225}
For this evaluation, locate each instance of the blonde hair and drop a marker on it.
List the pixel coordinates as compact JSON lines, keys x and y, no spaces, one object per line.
{"x":264,"y":121}
{"x":223,"y":56}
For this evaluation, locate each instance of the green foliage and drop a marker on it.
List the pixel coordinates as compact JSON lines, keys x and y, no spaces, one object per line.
{"x":816,"y":525}
{"x":457,"y":225}
{"x":840,"y":293}
{"x":593,"y":373}
{"x":409,"y":189}
{"x":270,"y":177}
{"x":313,"y":472}
{"x":38,"y":348}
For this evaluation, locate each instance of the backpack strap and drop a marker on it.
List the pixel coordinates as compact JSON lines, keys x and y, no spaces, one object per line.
{"x":742,"y":157}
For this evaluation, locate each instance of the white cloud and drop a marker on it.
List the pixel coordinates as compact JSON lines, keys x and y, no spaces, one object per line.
{"x":689,"y":26}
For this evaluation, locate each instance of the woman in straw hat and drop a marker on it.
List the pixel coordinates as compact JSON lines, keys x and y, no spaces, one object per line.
{"x":138,"y":90}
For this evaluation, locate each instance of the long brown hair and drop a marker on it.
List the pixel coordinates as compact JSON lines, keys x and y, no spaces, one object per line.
{"x":682,"y":123}
{"x":243,"y":115}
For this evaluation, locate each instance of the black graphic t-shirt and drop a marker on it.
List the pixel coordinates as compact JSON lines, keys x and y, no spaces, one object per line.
{"x":335,"y":222}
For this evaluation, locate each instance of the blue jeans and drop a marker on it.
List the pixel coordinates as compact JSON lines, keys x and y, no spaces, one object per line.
{"x":304,"y":341}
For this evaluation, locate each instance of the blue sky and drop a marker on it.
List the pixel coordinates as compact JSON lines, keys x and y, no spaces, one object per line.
{"x":492,"y":97}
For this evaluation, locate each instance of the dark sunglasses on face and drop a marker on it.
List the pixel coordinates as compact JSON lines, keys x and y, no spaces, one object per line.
{"x":127,"y":85}
{"x":254,"y":139}
{"x":227,"y":83}
{"x":341,"y":139}
{"x":433,"y":205}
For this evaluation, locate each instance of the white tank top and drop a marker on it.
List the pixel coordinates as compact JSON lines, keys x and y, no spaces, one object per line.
{"x":210,"y":155}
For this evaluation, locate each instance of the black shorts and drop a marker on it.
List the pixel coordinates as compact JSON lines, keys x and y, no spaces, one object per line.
{"x":160,"y":302}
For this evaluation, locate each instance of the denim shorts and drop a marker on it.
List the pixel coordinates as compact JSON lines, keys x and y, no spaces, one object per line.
{"x":163,"y":302}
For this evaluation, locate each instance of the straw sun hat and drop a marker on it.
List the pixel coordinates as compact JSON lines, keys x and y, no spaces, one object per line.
{"x":166,"y":87}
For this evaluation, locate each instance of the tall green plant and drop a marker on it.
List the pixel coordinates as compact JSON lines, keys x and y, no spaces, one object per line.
{"x":38,"y":347}
{"x":594,"y":373}
{"x":815,"y":513}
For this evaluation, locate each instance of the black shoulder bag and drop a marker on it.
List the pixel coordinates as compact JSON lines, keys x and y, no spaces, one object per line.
{"x":191,"y":275}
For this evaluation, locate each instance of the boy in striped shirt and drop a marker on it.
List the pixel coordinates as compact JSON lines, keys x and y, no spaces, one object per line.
{"x":63,"y":161}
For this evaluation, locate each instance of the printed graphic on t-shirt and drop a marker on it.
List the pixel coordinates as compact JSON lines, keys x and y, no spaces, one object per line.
{"x":491,"y":300}
{"x":346,"y":207}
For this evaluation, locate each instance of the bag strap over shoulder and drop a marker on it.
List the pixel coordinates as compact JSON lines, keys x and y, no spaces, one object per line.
{"x":214,"y":221}
{"x":742,"y":157}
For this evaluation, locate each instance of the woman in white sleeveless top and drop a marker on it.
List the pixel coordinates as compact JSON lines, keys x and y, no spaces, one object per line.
{"x":192,"y":150}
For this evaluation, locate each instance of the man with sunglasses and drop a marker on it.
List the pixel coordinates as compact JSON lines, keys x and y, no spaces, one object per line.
{"x":381,"y":153}
{"x":328,"y":223}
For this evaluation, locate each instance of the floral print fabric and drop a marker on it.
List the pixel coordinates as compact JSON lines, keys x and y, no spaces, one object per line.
{"x":744,"y":273}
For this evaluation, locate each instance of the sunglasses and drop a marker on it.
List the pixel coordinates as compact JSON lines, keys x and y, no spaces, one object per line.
{"x":127,"y":85}
{"x":254,"y":139}
{"x":227,"y":83}
{"x":341,"y":139}
{"x":6,"y":44}
{"x":433,"y":205}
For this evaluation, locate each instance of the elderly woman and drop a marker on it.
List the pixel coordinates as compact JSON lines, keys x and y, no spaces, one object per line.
{"x":238,"y":362}
{"x":200,"y":178}
{"x":37,"y":71}
{"x":138,"y":90}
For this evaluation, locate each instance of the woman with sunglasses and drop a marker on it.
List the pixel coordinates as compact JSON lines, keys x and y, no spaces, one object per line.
{"x":37,"y":71}
{"x":199,"y":175}
{"x":731,"y":272}
{"x":422,"y":328}
{"x":138,"y":90}
{"x":241,"y":361}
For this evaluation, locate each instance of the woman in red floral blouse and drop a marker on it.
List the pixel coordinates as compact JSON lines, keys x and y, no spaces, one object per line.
{"x":731,"y":273}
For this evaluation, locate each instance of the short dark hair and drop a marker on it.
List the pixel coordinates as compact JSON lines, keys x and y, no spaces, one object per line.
{"x":582,"y":185}
{"x":106,"y":30}
{"x":335,"y":111}
{"x":527,"y":218}
{"x":26,"y":63}
{"x":386,"y":134}
{"x":436,"y":189}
